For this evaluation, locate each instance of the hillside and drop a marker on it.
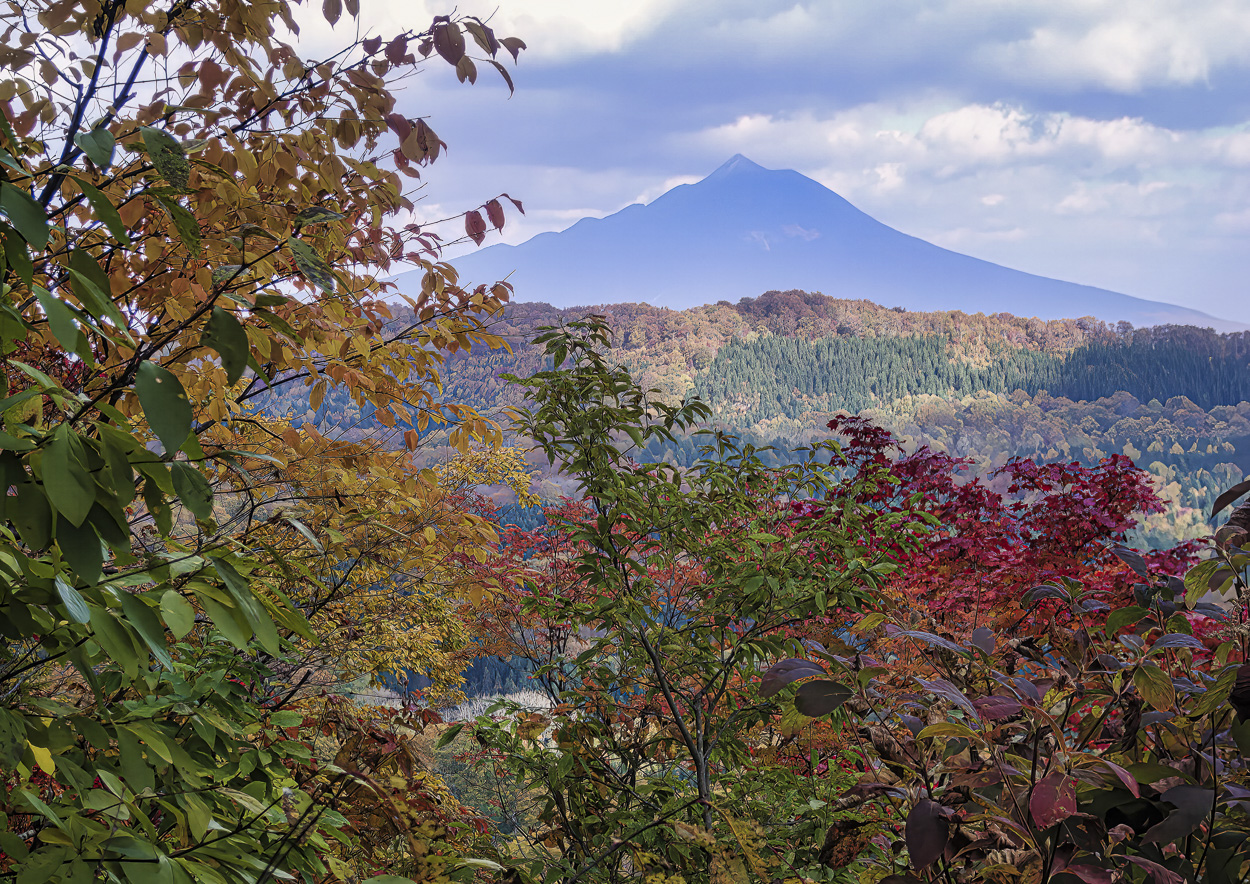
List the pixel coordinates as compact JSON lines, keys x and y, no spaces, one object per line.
{"x":745,"y":229}
{"x":777,"y":367}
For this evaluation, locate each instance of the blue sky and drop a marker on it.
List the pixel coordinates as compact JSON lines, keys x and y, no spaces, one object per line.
{"x":1103,"y":142}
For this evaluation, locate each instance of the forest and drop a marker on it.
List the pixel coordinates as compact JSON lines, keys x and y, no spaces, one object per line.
{"x":776,"y":369}
{"x":263,"y":514}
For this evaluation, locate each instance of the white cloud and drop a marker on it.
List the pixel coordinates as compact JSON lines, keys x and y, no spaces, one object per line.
{"x":1124,"y":46}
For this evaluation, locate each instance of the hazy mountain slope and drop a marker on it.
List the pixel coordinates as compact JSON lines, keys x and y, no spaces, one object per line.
{"x":745,"y":229}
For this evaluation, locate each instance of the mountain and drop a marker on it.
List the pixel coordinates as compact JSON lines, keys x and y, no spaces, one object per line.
{"x":745,"y":230}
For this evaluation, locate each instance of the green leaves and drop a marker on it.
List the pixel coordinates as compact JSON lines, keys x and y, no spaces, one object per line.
{"x":317,"y":215}
{"x":66,"y":477}
{"x":60,"y":318}
{"x":821,"y":697}
{"x":1155,"y":686}
{"x":192,"y":489}
{"x":184,"y":222}
{"x":167,"y":156}
{"x":311,"y":265}
{"x":98,"y":145}
{"x":73,"y":601}
{"x":224,"y":334}
{"x":28,"y":217}
{"x":165,"y":404}
{"x":177,"y":613}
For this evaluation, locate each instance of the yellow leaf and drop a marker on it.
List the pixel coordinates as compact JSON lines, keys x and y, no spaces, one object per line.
{"x":43,"y":758}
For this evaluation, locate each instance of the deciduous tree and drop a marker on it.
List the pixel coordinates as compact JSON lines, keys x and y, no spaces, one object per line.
{"x":193,"y":213}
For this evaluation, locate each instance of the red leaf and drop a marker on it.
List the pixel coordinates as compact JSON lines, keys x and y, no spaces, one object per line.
{"x":1090,"y":874}
{"x":1156,"y":873}
{"x":494,"y":212}
{"x":520,"y":208}
{"x":475,"y":226}
{"x":995,"y":707}
{"x":1053,"y":799}
{"x":1129,"y":781}
{"x":399,"y":124}
{"x":927,"y":833}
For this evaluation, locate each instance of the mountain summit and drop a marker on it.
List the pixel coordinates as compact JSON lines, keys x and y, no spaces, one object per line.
{"x":744,"y":230}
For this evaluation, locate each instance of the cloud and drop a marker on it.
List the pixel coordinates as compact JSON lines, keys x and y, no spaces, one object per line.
{"x":1095,"y":140}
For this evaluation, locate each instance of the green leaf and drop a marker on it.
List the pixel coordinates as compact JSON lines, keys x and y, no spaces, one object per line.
{"x":91,"y":285}
{"x":144,"y":621}
{"x":12,"y":739}
{"x":192,"y":489}
{"x":167,"y":156}
{"x":98,"y":145}
{"x":257,"y":617}
{"x":311,"y":265}
{"x":105,"y":211}
{"x":73,"y":601}
{"x":1197,"y":580}
{"x":1122,"y":617}
{"x":1155,"y":686}
{"x":165,"y":403}
{"x":448,"y":736}
{"x":60,"y":318}
{"x":276,"y":322}
{"x":303,"y":529}
{"x":317,"y":215}
{"x":17,"y":254}
{"x":83,"y":550}
{"x":184,"y":222}
{"x":27,"y":215}
{"x":225,"y":335}
{"x":117,"y":644}
{"x":32,"y":515}
{"x":820,"y":697}
{"x":65,"y":477}
{"x":236,"y":632}
{"x":178,"y":613}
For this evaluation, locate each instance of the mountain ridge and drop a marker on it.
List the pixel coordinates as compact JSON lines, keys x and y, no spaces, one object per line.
{"x":745,"y":229}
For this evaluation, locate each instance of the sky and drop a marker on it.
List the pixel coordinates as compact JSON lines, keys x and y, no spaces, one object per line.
{"x":1106,"y":143}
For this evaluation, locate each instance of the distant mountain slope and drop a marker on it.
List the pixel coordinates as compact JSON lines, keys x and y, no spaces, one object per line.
{"x":745,"y":229}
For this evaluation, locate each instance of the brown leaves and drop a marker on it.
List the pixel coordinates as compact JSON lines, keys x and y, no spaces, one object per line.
{"x":448,"y":40}
{"x":332,"y":10}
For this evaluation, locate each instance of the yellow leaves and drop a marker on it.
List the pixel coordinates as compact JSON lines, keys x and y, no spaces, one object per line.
{"x":156,"y":45}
